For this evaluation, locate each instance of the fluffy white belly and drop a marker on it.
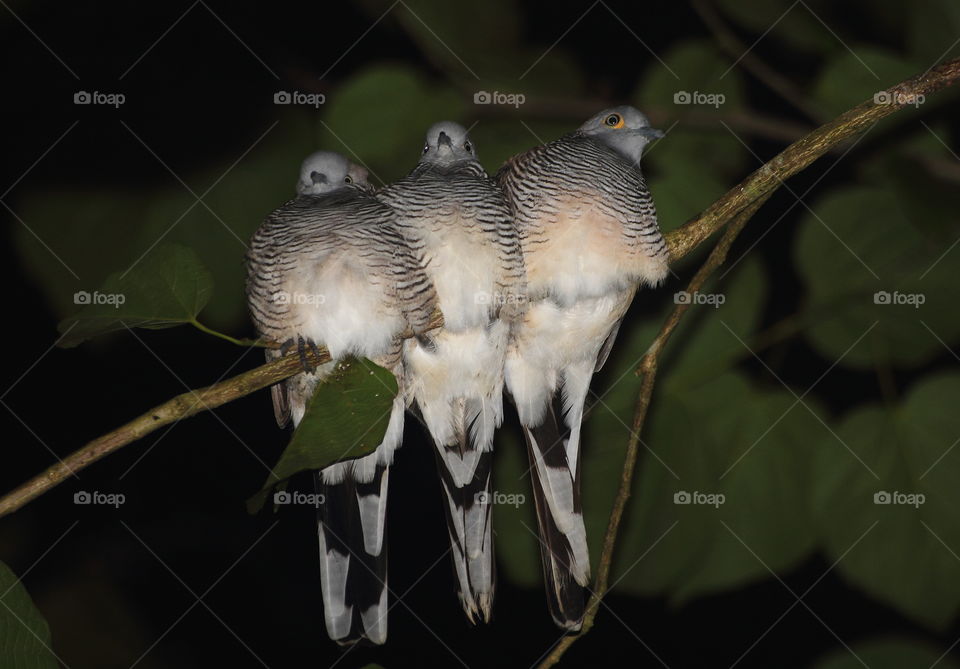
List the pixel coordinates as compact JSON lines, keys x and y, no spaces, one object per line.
{"x":554,"y":339}
{"x":464,"y":271}
{"x":339,"y":305}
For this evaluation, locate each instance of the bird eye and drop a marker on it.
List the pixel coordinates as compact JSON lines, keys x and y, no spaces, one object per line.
{"x":348,"y":179}
{"x":614,"y":121}
{"x":426,"y":147}
{"x":468,"y":146}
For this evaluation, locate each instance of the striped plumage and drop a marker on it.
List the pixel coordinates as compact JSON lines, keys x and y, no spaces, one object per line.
{"x":589,"y":234}
{"x":454,"y":216}
{"x":332,"y":269}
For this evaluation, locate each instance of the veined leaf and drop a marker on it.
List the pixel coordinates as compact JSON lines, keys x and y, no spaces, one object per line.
{"x":345,"y":419}
{"x":168,"y":287}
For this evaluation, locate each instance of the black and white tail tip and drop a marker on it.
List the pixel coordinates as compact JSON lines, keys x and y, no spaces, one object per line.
{"x":353,"y":556}
{"x":467,"y":483}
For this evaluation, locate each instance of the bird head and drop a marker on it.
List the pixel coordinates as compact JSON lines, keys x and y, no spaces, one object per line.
{"x":447,"y":143}
{"x":326,"y":171}
{"x":624,"y":129}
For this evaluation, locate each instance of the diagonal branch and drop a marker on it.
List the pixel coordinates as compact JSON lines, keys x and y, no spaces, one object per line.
{"x":745,"y":197}
{"x":648,"y":368}
{"x":804,"y":151}
{"x":736,"y":207}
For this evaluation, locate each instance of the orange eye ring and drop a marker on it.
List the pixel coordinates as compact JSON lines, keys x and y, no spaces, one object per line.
{"x":613,"y":121}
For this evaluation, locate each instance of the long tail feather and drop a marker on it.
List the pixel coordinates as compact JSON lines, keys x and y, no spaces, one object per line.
{"x":471,"y":540}
{"x":353,"y":555}
{"x":466,"y":475}
{"x":556,"y":494}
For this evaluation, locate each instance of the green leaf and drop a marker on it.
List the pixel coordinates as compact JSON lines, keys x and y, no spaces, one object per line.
{"x":868,"y":264}
{"x":24,"y":634}
{"x":345,"y":419}
{"x":904,"y":552}
{"x":691,"y":167}
{"x":112,"y":225}
{"x":888,"y":654}
{"x":681,"y":192}
{"x":850,"y":78}
{"x":716,"y":334}
{"x":168,"y":287}
{"x":741,"y":454}
{"x":694,"y":66}
{"x":922,"y":174}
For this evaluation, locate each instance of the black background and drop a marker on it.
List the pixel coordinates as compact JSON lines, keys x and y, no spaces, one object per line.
{"x":107,"y":598}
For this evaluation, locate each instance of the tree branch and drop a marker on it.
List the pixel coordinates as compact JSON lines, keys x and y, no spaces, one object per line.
{"x":804,"y":151}
{"x":737,"y":207}
{"x":755,"y":188}
{"x":648,"y":368}
{"x":182,"y":406}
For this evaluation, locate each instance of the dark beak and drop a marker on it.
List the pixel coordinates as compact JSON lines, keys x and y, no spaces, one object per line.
{"x":318,"y":178}
{"x":444,"y":140}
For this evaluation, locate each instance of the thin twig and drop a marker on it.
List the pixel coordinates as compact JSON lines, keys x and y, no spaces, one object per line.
{"x":804,"y":151}
{"x":736,"y":207}
{"x":182,"y":406}
{"x":648,"y":368}
{"x":775,"y":81}
{"x":681,"y":241}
